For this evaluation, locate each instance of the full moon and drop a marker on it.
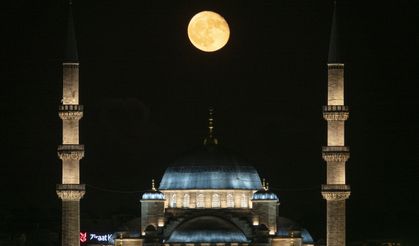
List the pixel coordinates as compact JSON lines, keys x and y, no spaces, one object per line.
{"x":208,"y":31}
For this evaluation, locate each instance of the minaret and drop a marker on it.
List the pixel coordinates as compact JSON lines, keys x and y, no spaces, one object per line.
{"x":70,"y":191}
{"x":336,"y":191}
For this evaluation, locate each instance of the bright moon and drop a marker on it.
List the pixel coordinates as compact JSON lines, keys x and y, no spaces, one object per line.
{"x":208,"y":31}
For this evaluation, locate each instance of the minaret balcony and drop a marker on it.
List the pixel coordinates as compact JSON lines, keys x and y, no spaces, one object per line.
{"x":335,"y":153}
{"x":70,"y":111}
{"x":70,"y":192}
{"x":335,"y":112}
{"x":335,"y":65}
{"x":71,"y":151}
{"x":336,"y":192}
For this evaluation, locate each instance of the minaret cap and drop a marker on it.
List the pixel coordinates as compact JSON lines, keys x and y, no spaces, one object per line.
{"x":211,"y":139}
{"x":70,"y":53}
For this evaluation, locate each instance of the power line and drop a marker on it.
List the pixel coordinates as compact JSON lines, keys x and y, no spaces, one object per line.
{"x":115,"y":191}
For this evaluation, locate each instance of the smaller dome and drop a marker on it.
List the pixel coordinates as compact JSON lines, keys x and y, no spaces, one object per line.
{"x":264,"y":195}
{"x":153,"y":194}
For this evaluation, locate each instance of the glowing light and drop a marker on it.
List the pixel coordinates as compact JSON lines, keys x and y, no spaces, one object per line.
{"x":160,"y":223}
{"x":83,"y":237}
{"x":153,"y":196}
{"x":216,"y":201}
{"x":243,"y":201}
{"x":230,"y":201}
{"x":208,"y":31}
{"x":264,"y":196}
{"x":200,"y":202}
{"x":186,"y":201}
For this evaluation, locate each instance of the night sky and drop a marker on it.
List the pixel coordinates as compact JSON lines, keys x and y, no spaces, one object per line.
{"x":146,"y":92}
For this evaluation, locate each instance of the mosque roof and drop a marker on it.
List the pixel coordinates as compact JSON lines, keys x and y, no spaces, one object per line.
{"x":286,"y":226}
{"x":207,"y":229}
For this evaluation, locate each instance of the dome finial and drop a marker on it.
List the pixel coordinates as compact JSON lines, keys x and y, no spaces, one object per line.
{"x":263,"y":184}
{"x":267,"y":186}
{"x":211,"y":139}
{"x":152,"y":185}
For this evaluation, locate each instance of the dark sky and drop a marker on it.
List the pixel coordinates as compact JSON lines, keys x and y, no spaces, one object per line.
{"x":146,"y":91}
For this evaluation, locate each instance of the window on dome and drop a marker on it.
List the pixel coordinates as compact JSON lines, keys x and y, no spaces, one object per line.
{"x":243,"y":201}
{"x":186,"y":200}
{"x":230,"y":201}
{"x":173,"y":201}
{"x":215,"y":201}
{"x":200,"y":202}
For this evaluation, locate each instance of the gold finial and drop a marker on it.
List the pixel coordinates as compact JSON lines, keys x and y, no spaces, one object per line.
{"x":263,"y":184}
{"x":152,"y":185}
{"x":267,"y":186}
{"x":210,"y":139}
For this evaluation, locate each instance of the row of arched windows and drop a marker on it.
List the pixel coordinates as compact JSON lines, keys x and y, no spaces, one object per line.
{"x":215,"y":201}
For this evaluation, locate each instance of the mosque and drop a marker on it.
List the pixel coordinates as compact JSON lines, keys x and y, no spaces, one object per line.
{"x":209,"y":196}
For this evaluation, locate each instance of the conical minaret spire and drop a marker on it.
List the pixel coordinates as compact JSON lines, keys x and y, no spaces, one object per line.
{"x":70,"y":191}
{"x":336,"y":153}
{"x":70,"y":54}
{"x":334,"y":47}
{"x":211,"y":139}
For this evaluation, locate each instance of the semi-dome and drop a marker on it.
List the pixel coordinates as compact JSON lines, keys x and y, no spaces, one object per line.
{"x":210,"y":167}
{"x":287,"y":226}
{"x":207,"y":229}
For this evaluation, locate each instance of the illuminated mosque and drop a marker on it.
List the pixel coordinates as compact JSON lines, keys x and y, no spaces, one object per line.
{"x":210,"y":196}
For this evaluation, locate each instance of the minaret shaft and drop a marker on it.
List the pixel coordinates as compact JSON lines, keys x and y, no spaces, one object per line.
{"x":335,"y":154}
{"x":70,"y":83}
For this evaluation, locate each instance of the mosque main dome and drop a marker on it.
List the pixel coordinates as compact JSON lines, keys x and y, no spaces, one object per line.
{"x":210,"y":167}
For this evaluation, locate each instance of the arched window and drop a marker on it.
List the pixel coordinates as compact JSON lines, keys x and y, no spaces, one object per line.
{"x":173,"y":201}
{"x":200,"y":201}
{"x":216,"y":201}
{"x":186,"y":200}
{"x":243,"y":201}
{"x":230,"y":201}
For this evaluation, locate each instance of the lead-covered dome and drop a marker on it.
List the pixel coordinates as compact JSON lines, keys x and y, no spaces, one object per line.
{"x":210,"y":167}
{"x":265,"y":193}
{"x":153,"y":193}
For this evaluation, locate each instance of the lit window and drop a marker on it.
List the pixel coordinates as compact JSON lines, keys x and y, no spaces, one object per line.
{"x":200,"y":202}
{"x":243,"y":201}
{"x":173,"y":201}
{"x":215,"y":201}
{"x":186,"y":200}
{"x":230,"y":201}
